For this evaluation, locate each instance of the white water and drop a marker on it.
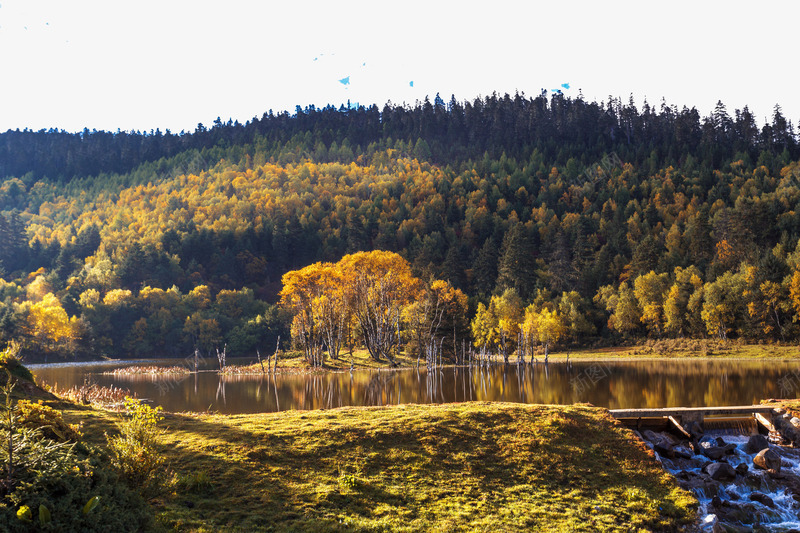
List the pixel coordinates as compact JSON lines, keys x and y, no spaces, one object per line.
{"x":784,"y":516}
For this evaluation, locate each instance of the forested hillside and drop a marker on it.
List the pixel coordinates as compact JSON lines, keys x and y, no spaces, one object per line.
{"x":615,"y":222}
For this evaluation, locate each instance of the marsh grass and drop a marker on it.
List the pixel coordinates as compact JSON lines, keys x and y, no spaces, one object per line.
{"x":155,"y":370}
{"x":456,"y":467}
{"x":106,"y":397}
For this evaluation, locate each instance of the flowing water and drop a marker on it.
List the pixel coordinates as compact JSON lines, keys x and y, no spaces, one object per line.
{"x":612,"y":384}
{"x":741,"y":501}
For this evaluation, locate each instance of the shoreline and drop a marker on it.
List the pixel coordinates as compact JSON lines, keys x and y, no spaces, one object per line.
{"x":295,"y":364}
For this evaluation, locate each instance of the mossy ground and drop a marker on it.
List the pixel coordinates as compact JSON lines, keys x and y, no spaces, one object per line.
{"x":453,"y":467}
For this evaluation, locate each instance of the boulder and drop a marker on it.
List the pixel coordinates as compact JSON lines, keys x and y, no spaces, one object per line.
{"x":715,"y":453}
{"x":663,"y":447}
{"x":742,"y":469}
{"x":694,"y":429}
{"x":730,"y":449}
{"x":649,"y":436}
{"x":769,"y":460}
{"x":720,"y":472}
{"x":756,"y":443}
{"x":762,"y":498}
{"x":707,"y":442}
{"x":730,"y":513}
{"x":700,"y":481}
{"x":682,"y":452}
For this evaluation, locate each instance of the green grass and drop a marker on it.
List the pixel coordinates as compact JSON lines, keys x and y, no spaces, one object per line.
{"x":686,"y":348}
{"x":295,"y":362}
{"x":454,"y":467}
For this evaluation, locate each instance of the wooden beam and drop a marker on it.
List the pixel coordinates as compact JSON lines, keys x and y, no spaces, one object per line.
{"x":678,"y":426}
{"x":764,"y":421}
{"x":677,"y":412}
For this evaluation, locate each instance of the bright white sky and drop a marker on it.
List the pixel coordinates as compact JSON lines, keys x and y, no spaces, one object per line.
{"x":170,"y":64}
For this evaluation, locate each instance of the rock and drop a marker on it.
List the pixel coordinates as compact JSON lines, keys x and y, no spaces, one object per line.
{"x":730,"y":449}
{"x":711,"y":524}
{"x":701,"y":481}
{"x":735,"y":513}
{"x":768,"y":460}
{"x":742,"y":469}
{"x":790,"y":432}
{"x":649,"y":436}
{"x":720,"y":441}
{"x":707,"y":442}
{"x":721,"y":472}
{"x":682,"y":452}
{"x":693,"y":429}
{"x":762,"y":499}
{"x":756,"y":443}
{"x":792,"y":482}
{"x":664,"y":447}
{"x":715,"y":453}
{"x":795,"y":422}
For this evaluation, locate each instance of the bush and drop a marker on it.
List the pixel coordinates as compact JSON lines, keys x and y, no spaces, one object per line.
{"x":10,"y":362}
{"x":35,"y":415}
{"x":134,"y":452}
{"x":65,"y":484}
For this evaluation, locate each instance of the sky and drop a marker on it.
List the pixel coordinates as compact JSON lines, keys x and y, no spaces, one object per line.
{"x":171,"y":64}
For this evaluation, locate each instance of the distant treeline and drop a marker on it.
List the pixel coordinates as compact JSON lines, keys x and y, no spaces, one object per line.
{"x":559,"y":127}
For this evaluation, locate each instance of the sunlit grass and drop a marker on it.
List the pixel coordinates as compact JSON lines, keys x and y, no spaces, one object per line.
{"x":685,"y":348}
{"x":456,"y":467}
{"x":295,"y":362}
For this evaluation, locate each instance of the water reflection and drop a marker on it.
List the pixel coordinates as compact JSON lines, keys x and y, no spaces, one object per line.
{"x":613,"y":384}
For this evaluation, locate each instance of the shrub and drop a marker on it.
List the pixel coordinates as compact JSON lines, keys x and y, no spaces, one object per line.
{"x":10,"y":362}
{"x":35,"y":415}
{"x":133,"y":451}
{"x":63,"y":486}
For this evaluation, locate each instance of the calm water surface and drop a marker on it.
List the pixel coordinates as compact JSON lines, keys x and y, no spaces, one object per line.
{"x":612,"y":384}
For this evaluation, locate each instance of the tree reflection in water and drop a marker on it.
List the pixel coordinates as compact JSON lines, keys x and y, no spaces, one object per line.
{"x":613,"y":384}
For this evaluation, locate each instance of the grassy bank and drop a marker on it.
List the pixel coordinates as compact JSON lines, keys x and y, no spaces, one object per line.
{"x":290,"y":362}
{"x":457,"y":467}
{"x":685,"y":348}
{"x":295,"y":362}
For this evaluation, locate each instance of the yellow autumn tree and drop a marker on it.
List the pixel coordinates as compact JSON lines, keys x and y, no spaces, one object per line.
{"x":678,"y":318}
{"x":299,"y":295}
{"x":48,"y":324}
{"x":794,"y":293}
{"x":499,"y":323}
{"x":379,"y":285}
{"x":543,"y":326}
{"x":435,"y":308}
{"x":650,"y":290}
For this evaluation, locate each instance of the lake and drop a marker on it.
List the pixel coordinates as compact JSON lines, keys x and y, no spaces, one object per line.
{"x":612,"y":384}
